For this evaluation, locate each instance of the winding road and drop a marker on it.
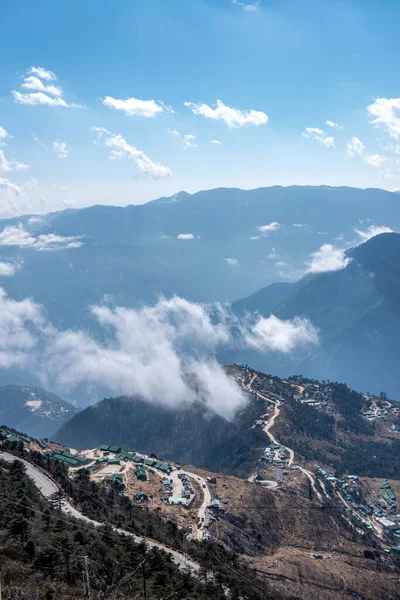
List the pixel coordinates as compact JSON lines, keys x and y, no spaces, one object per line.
{"x":47,"y":487}
{"x":268,"y":426}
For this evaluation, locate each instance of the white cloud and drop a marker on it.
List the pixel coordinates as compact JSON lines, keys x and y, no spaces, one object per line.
{"x":281,"y":336}
{"x":119,"y":148}
{"x":43,"y":93}
{"x":60,"y":148}
{"x":36,"y":98}
{"x":3,"y":134}
{"x":134,"y":107}
{"x":10,"y":165}
{"x":355,"y":146}
{"x":320,"y":136}
{"x":266,"y":229}
{"x":185,"y":236}
{"x":8,"y":269}
{"x":387,"y":115}
{"x":281,"y":263}
{"x":333,"y":124}
{"x":376,"y":160}
{"x":35,"y":219}
{"x":7,"y":186}
{"x":299,"y":225}
{"x":33,"y":83}
{"x":233,"y":117}
{"x":217,"y":142}
{"x":273,"y":254}
{"x":16,"y":337}
{"x":254,"y":237}
{"x":372,"y":231}
{"x":187,"y":139}
{"x":248,"y":6}
{"x":17,"y":236}
{"x":232,"y":261}
{"x":164,"y":354}
{"x":327,"y":258}
{"x":42,"y":73}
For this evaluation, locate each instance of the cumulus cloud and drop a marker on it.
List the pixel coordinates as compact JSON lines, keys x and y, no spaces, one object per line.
{"x":35,"y":219}
{"x":18,"y":236}
{"x":327,"y":258}
{"x":164,"y":353}
{"x":119,"y":148}
{"x":355,"y":146}
{"x":10,"y":165}
{"x":10,"y":197}
{"x":283,"y":336}
{"x":39,"y":92}
{"x":35,"y":84}
{"x":60,"y":148}
{"x":247,"y":6}
{"x":3,"y":134}
{"x":266,"y":229}
{"x":386,"y":113}
{"x":7,"y":186}
{"x":232,"y":261}
{"x":376,"y":160}
{"x":134,"y":107}
{"x":372,"y":231}
{"x":314,"y":133}
{"x":216,"y":142}
{"x":8,"y":269}
{"x":233,"y":117}
{"x":187,"y":139}
{"x":299,"y":225}
{"x":185,"y":236}
{"x":18,"y":321}
{"x":42,"y":73}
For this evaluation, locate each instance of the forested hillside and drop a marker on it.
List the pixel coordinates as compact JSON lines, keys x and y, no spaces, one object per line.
{"x":48,"y":556}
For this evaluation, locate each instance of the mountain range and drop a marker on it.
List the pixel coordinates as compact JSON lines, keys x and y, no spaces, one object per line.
{"x":217,"y":246}
{"x":181,"y":244}
{"x":33,"y":410}
{"x":357,"y":313}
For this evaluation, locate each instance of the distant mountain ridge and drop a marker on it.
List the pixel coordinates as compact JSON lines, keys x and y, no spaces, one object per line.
{"x":34,"y":411}
{"x":132,"y":255}
{"x":357,"y":312}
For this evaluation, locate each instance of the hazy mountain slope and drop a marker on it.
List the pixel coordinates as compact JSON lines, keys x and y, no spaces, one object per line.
{"x":132,"y":254}
{"x":357,"y":311}
{"x":32,"y":410}
{"x":186,"y":434}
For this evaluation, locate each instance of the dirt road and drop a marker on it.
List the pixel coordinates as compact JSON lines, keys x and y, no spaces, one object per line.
{"x":47,"y":487}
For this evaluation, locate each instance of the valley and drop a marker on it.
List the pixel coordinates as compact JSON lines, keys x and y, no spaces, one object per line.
{"x":290,"y":514}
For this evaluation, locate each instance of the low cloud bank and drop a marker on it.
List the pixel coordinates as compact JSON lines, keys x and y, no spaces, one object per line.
{"x":163,"y":353}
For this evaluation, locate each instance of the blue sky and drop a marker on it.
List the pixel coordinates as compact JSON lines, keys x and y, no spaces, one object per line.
{"x":298,"y":63}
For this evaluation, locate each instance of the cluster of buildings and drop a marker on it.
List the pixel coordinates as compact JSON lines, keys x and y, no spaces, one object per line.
{"x":187,"y":493}
{"x":378,"y":411}
{"x":276,"y":455}
{"x":67,"y":458}
{"x":382,"y":510}
{"x":314,"y":395}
